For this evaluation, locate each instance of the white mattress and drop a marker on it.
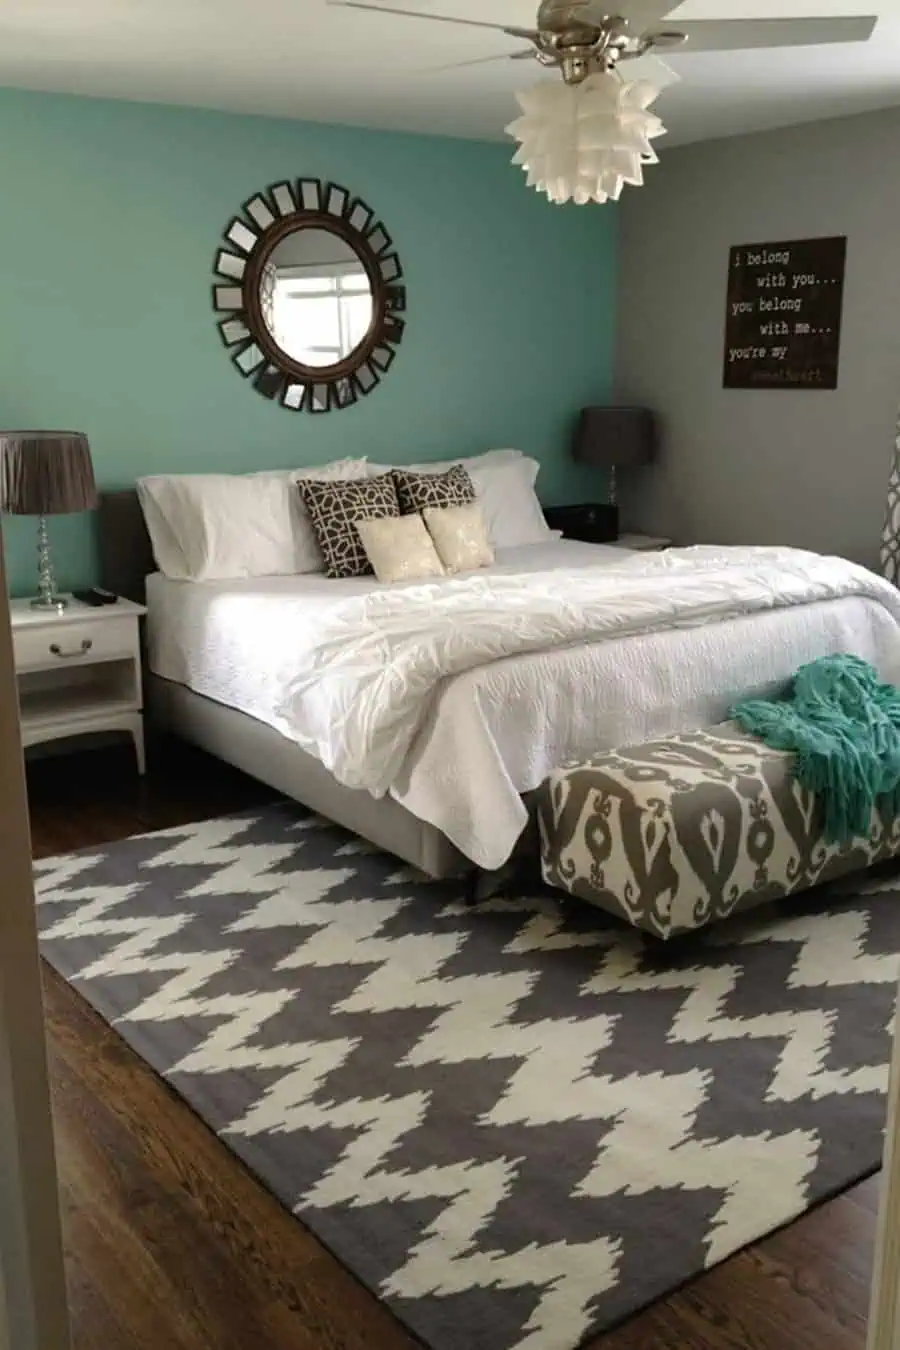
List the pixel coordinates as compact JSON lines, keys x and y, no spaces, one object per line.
{"x":497,"y":731}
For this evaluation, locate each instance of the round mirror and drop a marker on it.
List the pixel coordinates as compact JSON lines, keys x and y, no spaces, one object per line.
{"x":316,"y":298}
{"x":309,"y":295}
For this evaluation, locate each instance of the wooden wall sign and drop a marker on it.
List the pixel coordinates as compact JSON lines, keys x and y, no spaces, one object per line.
{"x":785,"y":302}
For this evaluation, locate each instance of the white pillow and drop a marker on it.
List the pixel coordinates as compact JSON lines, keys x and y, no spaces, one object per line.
{"x":399,"y":549}
{"x":509,"y":503}
{"x":460,"y":537}
{"x":469,"y":462}
{"x":279,"y":543}
{"x":215,"y":527}
{"x":504,"y":485}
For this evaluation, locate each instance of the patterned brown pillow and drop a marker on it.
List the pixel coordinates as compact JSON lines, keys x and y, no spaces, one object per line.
{"x":333,"y":509}
{"x":419,"y":491}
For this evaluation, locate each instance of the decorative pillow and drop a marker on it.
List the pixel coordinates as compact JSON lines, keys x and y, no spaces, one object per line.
{"x":309,"y":555}
{"x":460,"y":537}
{"x":504,"y":488}
{"x":334,"y":508}
{"x":418,"y":491}
{"x":400,"y":550}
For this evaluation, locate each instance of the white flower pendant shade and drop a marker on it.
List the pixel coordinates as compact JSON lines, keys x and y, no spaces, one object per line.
{"x":584,"y":142}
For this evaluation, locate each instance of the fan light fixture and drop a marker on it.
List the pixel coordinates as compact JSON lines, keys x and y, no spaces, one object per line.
{"x":584,"y":142}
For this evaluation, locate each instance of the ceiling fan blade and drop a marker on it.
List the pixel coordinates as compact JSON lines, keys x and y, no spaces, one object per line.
{"x":728,"y":35}
{"x":644,"y":14}
{"x":480,"y":61}
{"x":435,"y":18}
{"x":651,"y":69}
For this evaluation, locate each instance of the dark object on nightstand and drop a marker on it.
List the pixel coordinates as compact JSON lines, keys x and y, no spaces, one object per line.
{"x":591,"y":523}
{"x":96,"y":597}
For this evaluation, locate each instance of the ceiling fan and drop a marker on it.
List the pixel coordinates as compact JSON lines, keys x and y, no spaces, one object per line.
{"x":583,"y":37}
{"x":585,"y":138}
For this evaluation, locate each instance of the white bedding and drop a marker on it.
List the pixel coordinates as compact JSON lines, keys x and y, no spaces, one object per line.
{"x":495,"y":730}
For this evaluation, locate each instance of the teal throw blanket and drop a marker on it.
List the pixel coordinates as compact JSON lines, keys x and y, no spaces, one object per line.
{"x":844,"y":727}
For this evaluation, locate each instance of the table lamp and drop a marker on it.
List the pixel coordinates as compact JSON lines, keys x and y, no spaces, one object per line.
{"x":613,"y":439}
{"x":46,"y":473}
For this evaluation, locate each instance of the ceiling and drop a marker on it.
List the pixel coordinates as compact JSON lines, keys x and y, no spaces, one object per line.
{"x":302,"y":58}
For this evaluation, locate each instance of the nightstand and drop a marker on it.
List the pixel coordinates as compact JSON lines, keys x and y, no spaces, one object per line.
{"x":79,"y":672}
{"x":642,"y":543}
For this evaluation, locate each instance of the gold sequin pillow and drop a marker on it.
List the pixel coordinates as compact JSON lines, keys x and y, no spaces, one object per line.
{"x":460,"y":537}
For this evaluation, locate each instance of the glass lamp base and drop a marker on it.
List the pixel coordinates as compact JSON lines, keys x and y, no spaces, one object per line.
{"x":50,"y":604}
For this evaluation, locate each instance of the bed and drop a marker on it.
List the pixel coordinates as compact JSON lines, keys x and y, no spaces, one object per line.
{"x":221,"y":656}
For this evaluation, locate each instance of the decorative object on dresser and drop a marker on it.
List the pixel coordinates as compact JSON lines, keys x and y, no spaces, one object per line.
{"x":79,"y":671}
{"x":46,"y":473}
{"x":309,"y":295}
{"x":615,"y":438}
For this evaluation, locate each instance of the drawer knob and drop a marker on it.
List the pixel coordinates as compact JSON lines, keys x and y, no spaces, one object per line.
{"x":83,"y":650}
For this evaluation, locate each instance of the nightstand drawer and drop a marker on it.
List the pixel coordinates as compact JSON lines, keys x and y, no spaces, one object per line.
{"x":70,"y":644}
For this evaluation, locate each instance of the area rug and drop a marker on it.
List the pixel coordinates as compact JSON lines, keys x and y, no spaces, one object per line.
{"x":516,"y":1125}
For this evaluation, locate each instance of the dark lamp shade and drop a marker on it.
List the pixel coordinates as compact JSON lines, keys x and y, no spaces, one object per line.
{"x":616,"y":438}
{"x":46,"y":473}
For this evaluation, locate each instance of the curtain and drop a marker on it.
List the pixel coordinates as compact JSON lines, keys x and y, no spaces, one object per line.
{"x":890,"y":539}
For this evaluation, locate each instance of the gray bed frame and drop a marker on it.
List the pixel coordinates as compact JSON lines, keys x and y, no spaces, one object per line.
{"x":250,"y":745}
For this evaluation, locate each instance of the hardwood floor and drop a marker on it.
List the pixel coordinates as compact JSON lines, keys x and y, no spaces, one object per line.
{"x":172,"y":1245}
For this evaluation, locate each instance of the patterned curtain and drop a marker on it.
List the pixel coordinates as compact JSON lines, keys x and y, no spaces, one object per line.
{"x":890,"y":539}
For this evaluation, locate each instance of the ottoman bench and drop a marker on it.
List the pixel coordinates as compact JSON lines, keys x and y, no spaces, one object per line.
{"x":685,"y":831}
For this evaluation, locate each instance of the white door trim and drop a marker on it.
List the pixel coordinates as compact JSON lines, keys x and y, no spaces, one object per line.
{"x":32,"y":1284}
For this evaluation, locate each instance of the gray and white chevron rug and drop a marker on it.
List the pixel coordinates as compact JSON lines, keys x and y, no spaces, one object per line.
{"x":516,"y":1126}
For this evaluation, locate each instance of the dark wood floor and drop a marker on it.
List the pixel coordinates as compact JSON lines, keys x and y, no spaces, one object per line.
{"x":172,"y":1245}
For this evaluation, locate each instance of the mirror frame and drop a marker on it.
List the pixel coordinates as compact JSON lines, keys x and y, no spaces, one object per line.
{"x":249,"y":240}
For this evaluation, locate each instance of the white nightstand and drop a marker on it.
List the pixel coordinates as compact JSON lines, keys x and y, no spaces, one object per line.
{"x":642,"y":543}
{"x":79,"y":672}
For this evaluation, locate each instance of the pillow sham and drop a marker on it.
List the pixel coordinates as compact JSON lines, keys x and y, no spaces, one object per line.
{"x":509,"y":503}
{"x":416,"y":491}
{"x":198,"y":523}
{"x":400,"y":549}
{"x":460,"y":537}
{"x":334,"y":509}
{"x":217,"y":527}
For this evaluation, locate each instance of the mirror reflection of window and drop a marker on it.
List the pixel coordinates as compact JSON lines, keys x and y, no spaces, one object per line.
{"x":321,"y":304}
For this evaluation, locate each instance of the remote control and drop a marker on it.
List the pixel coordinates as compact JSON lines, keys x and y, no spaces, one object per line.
{"x":96,"y":597}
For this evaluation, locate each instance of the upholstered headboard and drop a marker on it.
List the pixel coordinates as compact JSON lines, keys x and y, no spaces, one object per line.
{"x":126,"y":557}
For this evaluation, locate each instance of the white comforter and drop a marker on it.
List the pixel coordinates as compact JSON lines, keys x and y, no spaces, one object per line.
{"x":371,"y":667}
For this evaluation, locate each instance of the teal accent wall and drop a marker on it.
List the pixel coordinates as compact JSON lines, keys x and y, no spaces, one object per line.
{"x":111,"y":216}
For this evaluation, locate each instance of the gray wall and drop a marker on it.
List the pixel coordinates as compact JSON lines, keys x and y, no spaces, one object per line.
{"x":790,"y":467}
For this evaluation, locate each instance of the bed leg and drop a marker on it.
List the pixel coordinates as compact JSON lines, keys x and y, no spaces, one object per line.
{"x":481,"y":886}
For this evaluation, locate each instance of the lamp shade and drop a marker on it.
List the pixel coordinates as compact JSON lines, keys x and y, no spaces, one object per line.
{"x":46,"y":473}
{"x":616,"y":438}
